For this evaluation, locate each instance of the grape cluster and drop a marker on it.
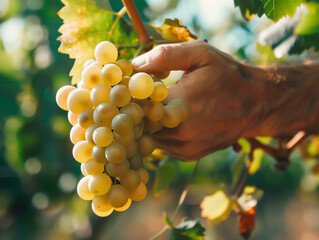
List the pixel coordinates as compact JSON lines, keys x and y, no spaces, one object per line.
{"x":113,"y":113}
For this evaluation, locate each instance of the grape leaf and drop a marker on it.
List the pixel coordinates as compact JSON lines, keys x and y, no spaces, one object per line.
{"x":164,"y":176}
{"x":276,"y":9}
{"x":216,"y":207}
{"x":249,"y":8}
{"x":84,"y":26}
{"x":188,"y":230}
{"x":172,"y":29}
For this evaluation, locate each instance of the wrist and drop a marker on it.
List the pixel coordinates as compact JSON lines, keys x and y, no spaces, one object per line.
{"x":286,"y":99}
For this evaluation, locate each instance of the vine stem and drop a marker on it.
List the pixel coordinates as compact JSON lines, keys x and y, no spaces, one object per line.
{"x":180,"y":202}
{"x":118,"y":16}
{"x":242,"y":183}
{"x":137,"y":21}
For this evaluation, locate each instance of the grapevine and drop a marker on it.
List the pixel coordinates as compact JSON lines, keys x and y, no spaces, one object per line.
{"x":114,"y":112}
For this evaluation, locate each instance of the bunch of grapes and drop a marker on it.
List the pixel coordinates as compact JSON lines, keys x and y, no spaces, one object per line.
{"x":113,"y":113}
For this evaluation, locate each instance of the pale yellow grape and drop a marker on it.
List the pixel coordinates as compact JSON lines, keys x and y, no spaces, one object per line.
{"x":136,"y":162}
{"x":182,"y":105}
{"x":100,"y":213}
{"x":122,"y":123}
{"x":125,"y":207}
{"x":132,"y":149}
{"x":124,"y":140}
{"x":117,"y":170}
{"x":79,"y":100}
{"x":143,"y":175}
{"x":153,"y":126}
{"x":138,"y":193}
{"x":62,"y":96}
{"x":172,"y":117}
{"x":97,"y":64}
{"x":83,"y":189}
{"x":138,"y":130}
{"x":88,"y":62}
{"x":125,"y":81}
{"x":73,"y":118}
{"x":120,"y":95}
{"x":160,"y":92}
{"x":111,"y":74}
{"x":115,"y":153}
{"x":105,"y":52}
{"x":89,"y":133}
{"x":146,"y":145}
{"x":85,"y":118}
{"x":82,"y":151}
{"x":135,"y":111}
{"x":100,"y":94}
{"x":130,"y":180}
{"x":126,"y":66}
{"x":141,"y":85}
{"x":82,"y":85}
{"x":155,"y":111}
{"x":93,"y":167}
{"x":102,"y":136}
{"x":104,"y":113}
{"x":117,"y":196}
{"x":99,"y":154}
{"x":83,"y":171}
{"x":77,"y":134}
{"x":101,"y":203}
{"x":91,"y":76}
{"x":100,"y":184}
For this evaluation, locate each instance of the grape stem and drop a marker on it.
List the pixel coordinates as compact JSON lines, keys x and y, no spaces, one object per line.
{"x":119,"y":14}
{"x":242,"y":183}
{"x":180,"y":202}
{"x":137,"y":21}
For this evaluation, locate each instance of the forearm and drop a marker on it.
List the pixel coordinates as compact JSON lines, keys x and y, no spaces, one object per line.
{"x":287,"y":97}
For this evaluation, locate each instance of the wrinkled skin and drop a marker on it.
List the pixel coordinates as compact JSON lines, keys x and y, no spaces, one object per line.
{"x":228,"y":99}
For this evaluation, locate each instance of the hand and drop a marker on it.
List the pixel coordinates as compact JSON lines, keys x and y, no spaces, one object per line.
{"x":215,"y":91}
{"x":228,"y":100}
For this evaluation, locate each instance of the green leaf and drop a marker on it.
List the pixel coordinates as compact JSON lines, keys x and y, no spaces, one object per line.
{"x":309,"y":22}
{"x":163,"y":177}
{"x":84,"y":26}
{"x":249,"y":8}
{"x":216,"y":207}
{"x":276,"y":9}
{"x":167,"y":221}
{"x":188,"y":230}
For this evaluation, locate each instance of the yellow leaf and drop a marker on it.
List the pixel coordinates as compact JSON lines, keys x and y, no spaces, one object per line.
{"x":251,"y":195}
{"x":256,"y":162}
{"x":216,"y":207}
{"x":172,"y":29}
{"x":245,"y":145}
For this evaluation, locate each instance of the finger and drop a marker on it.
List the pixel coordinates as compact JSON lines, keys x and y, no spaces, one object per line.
{"x":179,"y":56}
{"x":182,"y":132}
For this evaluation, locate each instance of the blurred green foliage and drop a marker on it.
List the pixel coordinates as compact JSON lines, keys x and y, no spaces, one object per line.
{"x":38,"y":175}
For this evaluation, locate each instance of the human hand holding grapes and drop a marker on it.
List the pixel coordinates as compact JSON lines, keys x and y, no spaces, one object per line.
{"x":228,"y":99}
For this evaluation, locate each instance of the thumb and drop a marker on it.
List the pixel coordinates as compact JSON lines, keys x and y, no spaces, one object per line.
{"x":180,"y":56}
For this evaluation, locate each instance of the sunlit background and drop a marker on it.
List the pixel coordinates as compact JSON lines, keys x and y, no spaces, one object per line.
{"x":38,"y":176}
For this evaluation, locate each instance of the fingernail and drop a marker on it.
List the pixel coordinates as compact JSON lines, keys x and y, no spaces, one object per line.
{"x":139,"y":61}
